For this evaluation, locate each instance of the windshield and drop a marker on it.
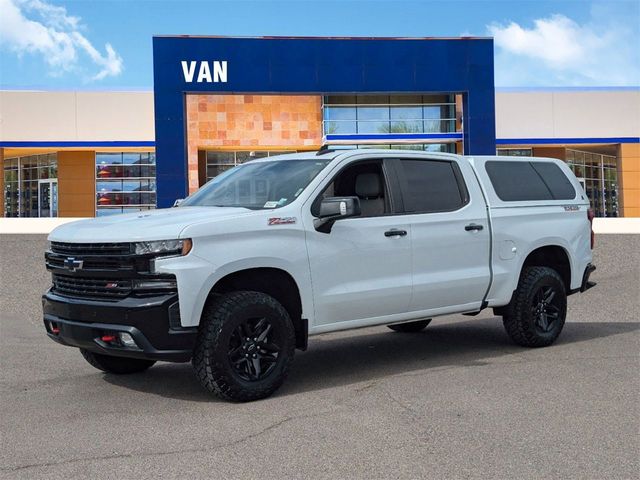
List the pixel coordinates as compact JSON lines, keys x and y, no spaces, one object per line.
{"x":257,"y":185}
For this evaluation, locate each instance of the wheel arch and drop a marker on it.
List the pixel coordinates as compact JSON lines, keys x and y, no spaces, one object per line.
{"x":553,"y":256}
{"x":273,"y":281}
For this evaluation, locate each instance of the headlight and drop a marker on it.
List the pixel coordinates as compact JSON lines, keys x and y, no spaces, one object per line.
{"x":176,"y":247}
{"x":155,"y":284}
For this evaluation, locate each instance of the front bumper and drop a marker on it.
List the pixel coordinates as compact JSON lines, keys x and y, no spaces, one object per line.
{"x":153,"y":322}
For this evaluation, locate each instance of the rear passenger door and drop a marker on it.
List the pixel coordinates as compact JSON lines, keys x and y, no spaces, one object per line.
{"x":450,"y":233}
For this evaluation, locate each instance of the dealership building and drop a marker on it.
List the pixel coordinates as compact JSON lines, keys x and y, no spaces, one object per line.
{"x":218,"y":102}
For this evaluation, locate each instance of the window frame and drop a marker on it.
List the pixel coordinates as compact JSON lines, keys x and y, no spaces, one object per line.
{"x":403,"y":184}
{"x":388,"y":176}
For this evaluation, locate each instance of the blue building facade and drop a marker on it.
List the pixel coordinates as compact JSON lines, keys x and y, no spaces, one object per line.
{"x":330,"y":68}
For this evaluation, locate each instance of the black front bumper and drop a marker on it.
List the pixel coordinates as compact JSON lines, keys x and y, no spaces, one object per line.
{"x":153,"y":322}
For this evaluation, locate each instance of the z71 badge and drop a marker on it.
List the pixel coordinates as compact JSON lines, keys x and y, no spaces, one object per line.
{"x":281,"y":220}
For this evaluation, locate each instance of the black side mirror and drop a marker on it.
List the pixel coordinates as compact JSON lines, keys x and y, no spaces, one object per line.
{"x":335,"y":208}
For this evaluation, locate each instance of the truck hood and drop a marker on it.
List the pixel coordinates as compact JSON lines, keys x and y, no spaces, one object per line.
{"x":162,"y":224}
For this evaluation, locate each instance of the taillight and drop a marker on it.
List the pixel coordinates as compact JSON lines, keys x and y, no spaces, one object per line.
{"x":591,"y":215}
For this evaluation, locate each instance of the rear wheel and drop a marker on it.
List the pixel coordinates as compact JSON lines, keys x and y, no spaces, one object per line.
{"x":245,"y":346}
{"x":117,"y":365}
{"x":410,"y":327}
{"x":538,"y":309}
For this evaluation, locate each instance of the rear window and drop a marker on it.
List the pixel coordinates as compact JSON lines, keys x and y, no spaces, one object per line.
{"x":431,"y":186}
{"x":522,"y":181}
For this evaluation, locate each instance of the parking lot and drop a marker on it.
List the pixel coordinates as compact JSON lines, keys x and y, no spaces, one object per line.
{"x":455,"y":401}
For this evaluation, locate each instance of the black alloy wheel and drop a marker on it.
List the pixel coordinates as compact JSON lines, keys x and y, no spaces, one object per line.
{"x":536,"y":315}
{"x":245,"y":346}
{"x":253,"y":351}
{"x":546,"y":308}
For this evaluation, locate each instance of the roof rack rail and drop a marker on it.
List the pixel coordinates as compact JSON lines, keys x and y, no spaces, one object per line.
{"x":325,"y":149}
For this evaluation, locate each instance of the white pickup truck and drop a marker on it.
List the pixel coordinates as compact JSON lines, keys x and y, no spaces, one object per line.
{"x":243,"y":271}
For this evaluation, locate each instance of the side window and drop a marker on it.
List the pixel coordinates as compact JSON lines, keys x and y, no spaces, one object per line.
{"x":522,"y":181}
{"x":555,"y":179}
{"x":516,"y":181}
{"x":364,"y":180}
{"x":431,"y":186}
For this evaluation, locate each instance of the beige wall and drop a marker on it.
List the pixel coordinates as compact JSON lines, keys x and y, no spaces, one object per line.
{"x":128,"y":116}
{"x":76,"y":116}
{"x":568,"y":114}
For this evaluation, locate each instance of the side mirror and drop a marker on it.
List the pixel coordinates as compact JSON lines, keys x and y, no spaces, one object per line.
{"x":178,"y":202}
{"x":335,"y":208}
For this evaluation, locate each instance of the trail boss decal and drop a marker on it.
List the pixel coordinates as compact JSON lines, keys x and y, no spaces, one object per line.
{"x":281,"y":220}
{"x":207,"y":72}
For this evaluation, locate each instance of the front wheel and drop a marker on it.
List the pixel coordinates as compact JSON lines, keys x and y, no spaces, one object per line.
{"x":538,"y":309}
{"x":410,"y":327}
{"x":245,"y":346}
{"x":117,"y":365}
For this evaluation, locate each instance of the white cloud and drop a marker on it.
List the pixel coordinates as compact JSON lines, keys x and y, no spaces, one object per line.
{"x":557,"y":50}
{"x":38,"y":27}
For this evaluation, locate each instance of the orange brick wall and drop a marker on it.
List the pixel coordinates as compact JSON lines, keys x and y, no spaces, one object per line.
{"x":251,"y":122}
{"x":629,"y":177}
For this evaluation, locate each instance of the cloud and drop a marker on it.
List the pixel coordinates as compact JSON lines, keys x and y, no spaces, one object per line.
{"x":38,"y":27}
{"x":557,"y":50}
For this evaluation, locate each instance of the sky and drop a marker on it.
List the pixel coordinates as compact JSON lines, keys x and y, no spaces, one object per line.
{"x":106,"y":45}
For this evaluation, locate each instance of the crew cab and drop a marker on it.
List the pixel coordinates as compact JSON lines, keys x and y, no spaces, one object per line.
{"x":243,"y":271}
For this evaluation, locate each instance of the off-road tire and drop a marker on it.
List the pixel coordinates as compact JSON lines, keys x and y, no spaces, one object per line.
{"x":211,"y":359}
{"x":117,"y":365}
{"x":410,"y":327}
{"x":520,"y":318}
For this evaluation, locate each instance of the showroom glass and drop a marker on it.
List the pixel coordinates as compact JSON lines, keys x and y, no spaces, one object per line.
{"x":599,"y":175}
{"x":220,"y":161}
{"x":424,"y":147}
{"x":22,"y":179}
{"x":258,"y":185}
{"x":125,"y":182}
{"x":374,"y":114}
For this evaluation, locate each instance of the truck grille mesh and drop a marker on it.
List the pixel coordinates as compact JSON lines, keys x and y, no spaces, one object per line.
{"x":91,"y":287}
{"x":92,"y":249}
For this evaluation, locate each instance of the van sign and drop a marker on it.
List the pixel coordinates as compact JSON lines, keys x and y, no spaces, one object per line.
{"x":207,"y":72}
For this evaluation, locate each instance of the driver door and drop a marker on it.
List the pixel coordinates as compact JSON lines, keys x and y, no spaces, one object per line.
{"x":361,"y":269}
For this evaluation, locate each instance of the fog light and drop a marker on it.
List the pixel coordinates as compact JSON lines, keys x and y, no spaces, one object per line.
{"x":127,"y":340}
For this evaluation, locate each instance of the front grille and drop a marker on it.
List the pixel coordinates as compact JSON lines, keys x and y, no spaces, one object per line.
{"x":91,"y":287}
{"x":91,"y":249}
{"x":97,"y":263}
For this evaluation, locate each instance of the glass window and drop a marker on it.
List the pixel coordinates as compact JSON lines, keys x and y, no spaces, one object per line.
{"x":125,"y":182}
{"x":219,"y":162}
{"x":430,"y":186}
{"x":517,"y":181}
{"x":371,"y":114}
{"x":555,"y":179}
{"x":258,"y":185}
{"x":22,"y":176}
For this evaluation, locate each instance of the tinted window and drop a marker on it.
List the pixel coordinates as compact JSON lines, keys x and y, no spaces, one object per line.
{"x":555,"y":179}
{"x":522,"y":181}
{"x":430,"y":186}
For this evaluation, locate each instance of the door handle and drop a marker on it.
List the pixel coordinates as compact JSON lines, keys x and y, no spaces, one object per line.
{"x":395,"y":233}
{"x":473,"y":226}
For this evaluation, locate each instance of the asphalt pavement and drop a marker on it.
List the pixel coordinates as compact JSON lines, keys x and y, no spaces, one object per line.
{"x":455,"y":401}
